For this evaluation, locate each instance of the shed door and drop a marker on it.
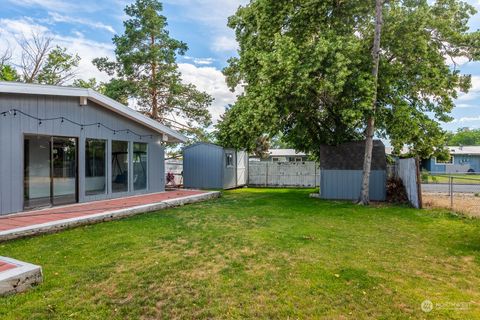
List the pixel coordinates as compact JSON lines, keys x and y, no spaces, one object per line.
{"x":241,"y":168}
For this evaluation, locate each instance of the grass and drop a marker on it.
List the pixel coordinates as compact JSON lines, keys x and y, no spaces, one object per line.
{"x":459,"y":178}
{"x":465,"y":203}
{"x":256,"y":253}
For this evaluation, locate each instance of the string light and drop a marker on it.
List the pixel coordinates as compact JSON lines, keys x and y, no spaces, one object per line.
{"x":81,"y":125}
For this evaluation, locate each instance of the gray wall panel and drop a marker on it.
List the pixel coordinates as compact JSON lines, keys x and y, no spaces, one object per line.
{"x":346,"y":184}
{"x":202,"y":166}
{"x":12,"y":130}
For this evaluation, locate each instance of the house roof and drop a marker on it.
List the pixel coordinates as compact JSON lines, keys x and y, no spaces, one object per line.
{"x":350,"y":155}
{"x":464,"y":150}
{"x":92,"y":95}
{"x":461,"y":150}
{"x":284,"y":152}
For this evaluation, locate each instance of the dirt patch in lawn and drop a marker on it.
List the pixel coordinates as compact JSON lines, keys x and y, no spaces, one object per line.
{"x":464,"y":203}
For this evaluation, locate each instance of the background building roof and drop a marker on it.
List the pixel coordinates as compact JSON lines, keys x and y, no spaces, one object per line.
{"x":285,"y":153}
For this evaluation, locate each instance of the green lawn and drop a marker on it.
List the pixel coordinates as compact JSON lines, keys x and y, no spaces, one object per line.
{"x":256,"y":253}
{"x":458,"y":178}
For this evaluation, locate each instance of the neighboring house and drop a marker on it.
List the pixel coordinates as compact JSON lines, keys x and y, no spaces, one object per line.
{"x":209,"y":166}
{"x":462,"y":159}
{"x":63,"y":145}
{"x":282,"y":155}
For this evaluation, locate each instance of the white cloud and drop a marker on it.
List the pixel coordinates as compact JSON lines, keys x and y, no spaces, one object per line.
{"x":472,"y":95}
{"x":212,"y":81}
{"x":56,"y":17}
{"x":200,"y":61}
{"x":466,"y":119}
{"x":205,"y":78}
{"x":214,"y":14}
{"x":58,"y":5}
{"x":224,"y":43}
{"x":12,"y":30}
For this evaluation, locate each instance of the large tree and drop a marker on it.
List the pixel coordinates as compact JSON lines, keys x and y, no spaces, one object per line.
{"x":306,"y":66}
{"x":7,"y":71}
{"x":41,"y":62}
{"x":464,"y":137}
{"x":145,"y":69}
{"x":370,"y":128}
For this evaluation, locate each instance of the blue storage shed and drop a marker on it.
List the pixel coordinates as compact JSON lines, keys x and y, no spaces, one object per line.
{"x":341,"y":169}
{"x":209,"y":166}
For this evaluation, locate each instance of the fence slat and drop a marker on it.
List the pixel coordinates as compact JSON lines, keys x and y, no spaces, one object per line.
{"x":284,"y":174}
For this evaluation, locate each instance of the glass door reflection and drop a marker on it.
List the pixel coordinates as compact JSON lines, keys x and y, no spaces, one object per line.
{"x":50,"y":171}
{"x":64,"y":171}
{"x":37,"y":179}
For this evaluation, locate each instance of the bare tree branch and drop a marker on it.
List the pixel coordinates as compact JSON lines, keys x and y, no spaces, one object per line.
{"x":34,"y":53}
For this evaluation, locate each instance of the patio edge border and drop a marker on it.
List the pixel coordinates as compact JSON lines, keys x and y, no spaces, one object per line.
{"x":55,"y":226}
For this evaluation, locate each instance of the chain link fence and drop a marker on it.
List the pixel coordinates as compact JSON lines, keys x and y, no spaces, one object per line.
{"x":459,"y":192}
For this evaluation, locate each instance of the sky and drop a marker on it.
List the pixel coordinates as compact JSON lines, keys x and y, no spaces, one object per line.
{"x":86,"y":27}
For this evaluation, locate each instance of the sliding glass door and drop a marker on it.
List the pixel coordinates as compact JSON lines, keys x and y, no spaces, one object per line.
{"x":50,"y":171}
{"x":37,"y":180}
{"x":64,"y":170}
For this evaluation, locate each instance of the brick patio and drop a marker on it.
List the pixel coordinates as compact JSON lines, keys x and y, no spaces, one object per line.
{"x":52,"y":219}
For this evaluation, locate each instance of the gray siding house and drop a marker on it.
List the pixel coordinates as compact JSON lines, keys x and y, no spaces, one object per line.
{"x":341,"y":169}
{"x":209,"y":166}
{"x":63,"y":145}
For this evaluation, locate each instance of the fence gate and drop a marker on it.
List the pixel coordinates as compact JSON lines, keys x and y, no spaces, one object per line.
{"x":241,"y":168}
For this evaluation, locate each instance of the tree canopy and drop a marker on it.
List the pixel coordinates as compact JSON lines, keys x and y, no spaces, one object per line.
{"x":41,"y":62}
{"x":145,"y":69}
{"x":464,"y":137}
{"x":306,"y":69}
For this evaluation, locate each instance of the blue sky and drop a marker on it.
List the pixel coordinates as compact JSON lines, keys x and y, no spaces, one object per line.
{"x":87,"y":26}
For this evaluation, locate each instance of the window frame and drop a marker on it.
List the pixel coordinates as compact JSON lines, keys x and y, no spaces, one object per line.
{"x":451,"y":162}
{"x":146,"y":166}
{"x":129,"y":165}
{"x":229,"y":155}
{"x":105,"y":191}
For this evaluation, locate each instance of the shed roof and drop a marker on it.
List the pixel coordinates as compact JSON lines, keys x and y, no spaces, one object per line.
{"x":102,"y":100}
{"x":349,"y":156}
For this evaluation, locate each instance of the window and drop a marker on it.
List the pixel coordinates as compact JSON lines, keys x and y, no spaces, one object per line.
{"x":95,"y":163}
{"x":449,"y":161}
{"x":140,"y":157}
{"x":298,"y":159}
{"x":119,"y":166}
{"x":229,"y":159}
{"x":275,"y":159}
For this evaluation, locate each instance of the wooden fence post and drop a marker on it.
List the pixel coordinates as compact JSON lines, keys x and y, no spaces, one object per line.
{"x":419,"y":183}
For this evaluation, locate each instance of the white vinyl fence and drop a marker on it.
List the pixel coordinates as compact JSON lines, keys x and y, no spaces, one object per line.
{"x":283,"y":174}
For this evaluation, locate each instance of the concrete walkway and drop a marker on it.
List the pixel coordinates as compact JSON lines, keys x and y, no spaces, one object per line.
{"x":30,"y":223}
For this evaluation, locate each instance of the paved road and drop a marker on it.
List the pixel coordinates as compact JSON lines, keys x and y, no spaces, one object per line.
{"x":443,"y":188}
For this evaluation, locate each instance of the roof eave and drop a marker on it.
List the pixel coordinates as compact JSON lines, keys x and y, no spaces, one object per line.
{"x":38,"y":89}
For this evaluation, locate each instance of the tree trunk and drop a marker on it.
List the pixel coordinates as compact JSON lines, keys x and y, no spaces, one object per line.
{"x":154,"y":91}
{"x":367,"y":160}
